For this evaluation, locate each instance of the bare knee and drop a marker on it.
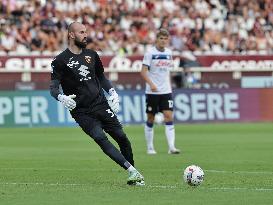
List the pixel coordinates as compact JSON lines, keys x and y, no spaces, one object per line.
{"x":150,"y":118}
{"x":168,"y":116}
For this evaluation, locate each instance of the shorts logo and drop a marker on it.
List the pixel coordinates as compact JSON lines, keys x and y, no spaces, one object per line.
{"x":150,"y":108}
{"x":88,"y":59}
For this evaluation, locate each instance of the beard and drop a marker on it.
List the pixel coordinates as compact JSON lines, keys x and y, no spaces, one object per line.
{"x":80,"y":44}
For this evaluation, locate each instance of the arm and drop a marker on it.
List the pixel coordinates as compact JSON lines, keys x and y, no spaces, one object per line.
{"x":144,"y":75}
{"x":54,"y":88}
{"x":105,"y":83}
{"x":113,"y":100}
{"x":146,"y":63}
{"x":56,"y":75}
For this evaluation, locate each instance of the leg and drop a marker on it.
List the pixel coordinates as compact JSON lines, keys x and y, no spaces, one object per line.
{"x":108,"y":148}
{"x":112,"y":126}
{"x":92,"y":127}
{"x":168,"y":115}
{"x":124,"y":144}
{"x":149,"y":133}
{"x":166,"y":105}
{"x":151,"y":110}
{"x":135,"y":178}
{"x":169,"y":128}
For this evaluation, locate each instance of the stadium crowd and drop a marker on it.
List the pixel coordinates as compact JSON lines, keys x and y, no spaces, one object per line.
{"x":128,"y":26}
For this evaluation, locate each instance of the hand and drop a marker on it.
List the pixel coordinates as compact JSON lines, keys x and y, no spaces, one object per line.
{"x":113,"y":100}
{"x":67,"y":101}
{"x":153,"y":88}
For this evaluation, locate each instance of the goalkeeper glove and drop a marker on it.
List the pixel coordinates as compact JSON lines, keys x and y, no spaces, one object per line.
{"x":67,"y":101}
{"x":113,"y":100}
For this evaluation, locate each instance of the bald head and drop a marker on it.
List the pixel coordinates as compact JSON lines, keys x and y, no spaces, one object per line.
{"x":73,"y":26}
{"x":77,"y":34}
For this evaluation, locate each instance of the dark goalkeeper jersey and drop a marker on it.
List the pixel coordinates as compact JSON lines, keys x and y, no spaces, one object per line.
{"x":80,"y":74}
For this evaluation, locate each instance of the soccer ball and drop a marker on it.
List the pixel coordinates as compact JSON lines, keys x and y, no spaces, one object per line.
{"x":193,"y":175}
{"x":159,"y":118}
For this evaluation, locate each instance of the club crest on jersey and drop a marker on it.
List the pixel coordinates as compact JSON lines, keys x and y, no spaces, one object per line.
{"x":88,"y":59}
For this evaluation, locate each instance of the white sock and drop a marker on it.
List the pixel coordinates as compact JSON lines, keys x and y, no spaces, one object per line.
{"x":131,"y":168}
{"x":170,"y":135}
{"x":149,"y":136}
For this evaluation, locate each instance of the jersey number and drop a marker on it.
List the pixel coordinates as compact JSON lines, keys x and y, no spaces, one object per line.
{"x":110,"y":112}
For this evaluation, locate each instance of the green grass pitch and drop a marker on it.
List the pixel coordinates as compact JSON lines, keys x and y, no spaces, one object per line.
{"x":63,"y":166}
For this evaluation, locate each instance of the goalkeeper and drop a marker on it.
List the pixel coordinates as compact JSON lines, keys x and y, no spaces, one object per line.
{"x":80,"y":73}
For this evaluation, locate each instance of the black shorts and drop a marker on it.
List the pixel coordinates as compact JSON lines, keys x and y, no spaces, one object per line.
{"x":158,"y":103}
{"x":104,"y":118}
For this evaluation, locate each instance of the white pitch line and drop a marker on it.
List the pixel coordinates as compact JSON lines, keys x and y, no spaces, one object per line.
{"x":40,"y":183}
{"x":239,"y":172}
{"x":96,"y":170}
{"x":53,"y":169}
{"x":240,"y":188}
{"x":214,"y":188}
{"x":162,"y":186}
{"x":148,"y":186}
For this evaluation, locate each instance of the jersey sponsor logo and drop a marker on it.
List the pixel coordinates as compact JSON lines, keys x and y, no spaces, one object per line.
{"x":161,"y":63}
{"x":88,"y":59}
{"x":84,"y":72}
{"x":71,"y":63}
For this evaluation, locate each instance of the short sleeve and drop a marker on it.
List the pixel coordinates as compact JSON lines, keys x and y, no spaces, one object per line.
{"x":147,"y":59}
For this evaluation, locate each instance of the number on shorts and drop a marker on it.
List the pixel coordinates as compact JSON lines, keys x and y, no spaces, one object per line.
{"x":110,"y":112}
{"x":170,"y":103}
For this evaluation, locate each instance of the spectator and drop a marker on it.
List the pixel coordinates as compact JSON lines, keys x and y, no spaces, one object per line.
{"x":127,"y":26}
